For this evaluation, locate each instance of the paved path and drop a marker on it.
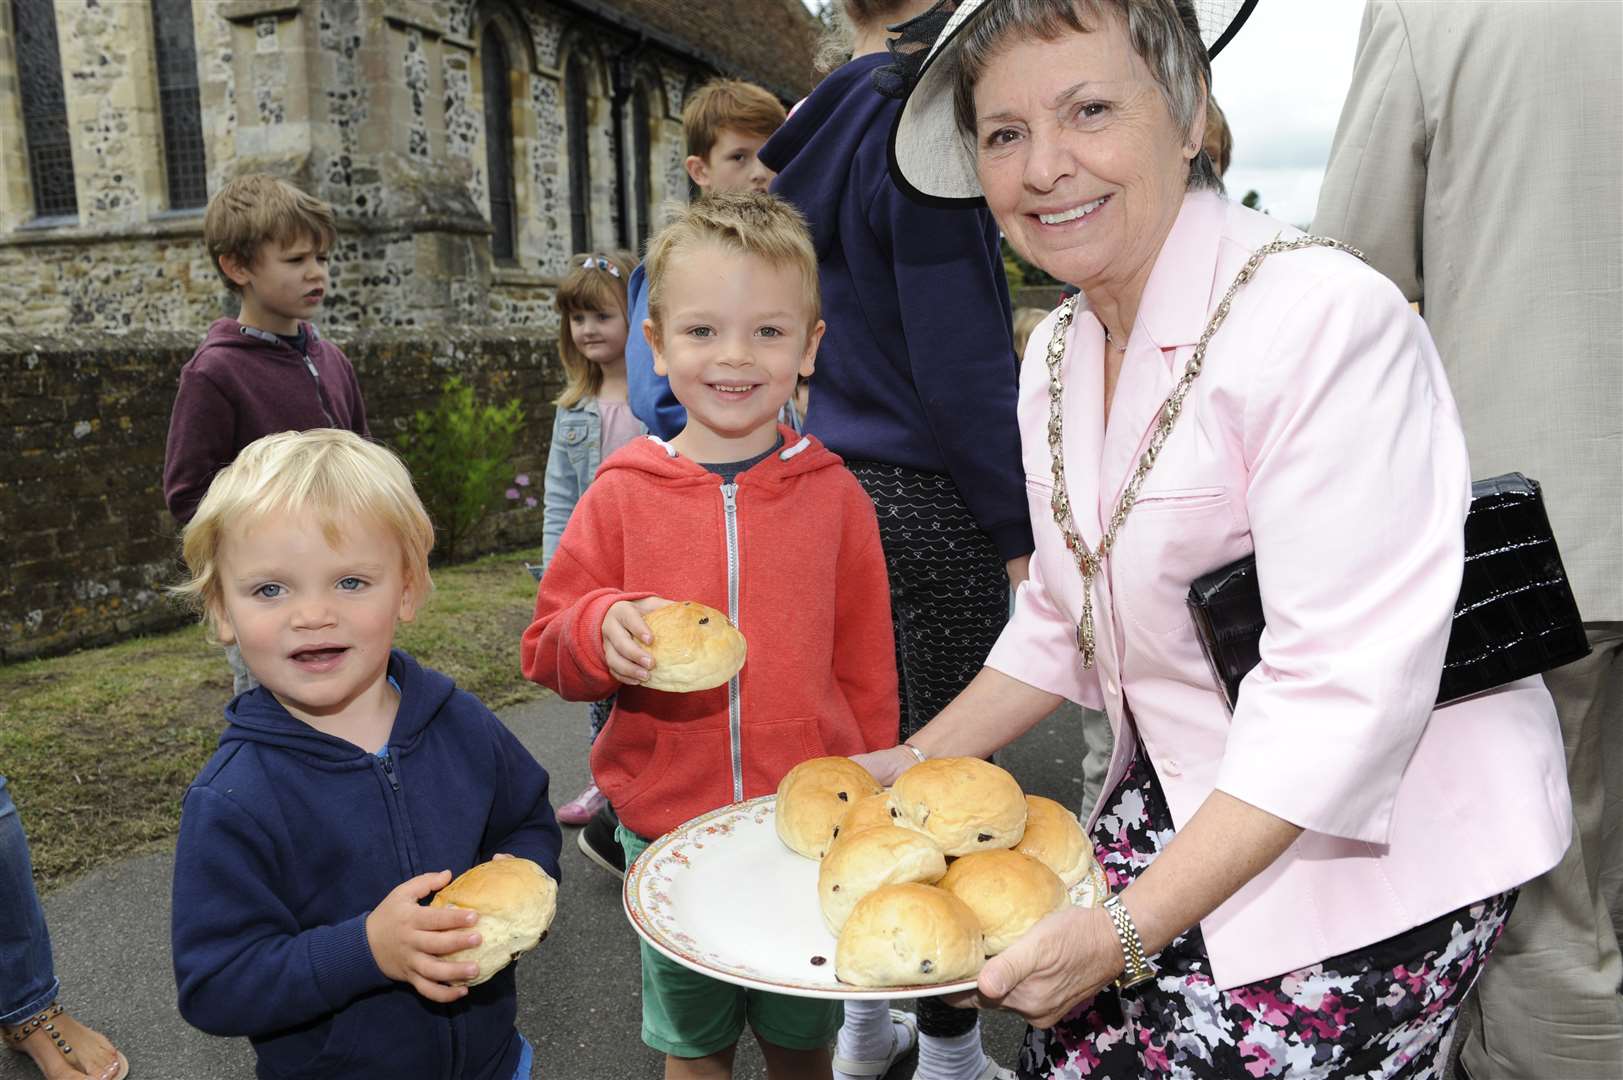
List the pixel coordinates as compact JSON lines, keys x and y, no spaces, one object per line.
{"x":578,"y":994}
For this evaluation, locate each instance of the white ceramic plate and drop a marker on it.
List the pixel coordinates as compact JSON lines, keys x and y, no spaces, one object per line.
{"x":722,"y":895}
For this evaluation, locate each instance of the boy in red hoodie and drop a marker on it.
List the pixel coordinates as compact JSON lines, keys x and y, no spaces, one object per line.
{"x":740,"y":513}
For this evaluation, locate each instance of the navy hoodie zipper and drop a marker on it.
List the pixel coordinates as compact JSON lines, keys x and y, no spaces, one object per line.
{"x":397,"y":810}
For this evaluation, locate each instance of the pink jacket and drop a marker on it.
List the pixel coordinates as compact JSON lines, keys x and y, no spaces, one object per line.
{"x":1322,"y":435}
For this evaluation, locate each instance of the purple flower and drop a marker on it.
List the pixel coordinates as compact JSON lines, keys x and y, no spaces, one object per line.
{"x":522,"y":479}
{"x":529,"y":500}
{"x":512,"y":493}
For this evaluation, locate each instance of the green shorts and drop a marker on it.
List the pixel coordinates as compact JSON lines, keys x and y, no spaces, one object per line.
{"x":688,"y":1015}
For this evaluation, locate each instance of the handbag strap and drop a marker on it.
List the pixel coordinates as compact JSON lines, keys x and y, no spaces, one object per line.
{"x":1090,"y":562}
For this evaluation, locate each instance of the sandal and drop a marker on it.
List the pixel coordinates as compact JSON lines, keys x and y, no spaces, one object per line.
{"x":902,"y":1041}
{"x":16,"y":1035}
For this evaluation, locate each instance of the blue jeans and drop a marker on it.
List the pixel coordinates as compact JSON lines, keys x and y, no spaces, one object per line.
{"x":526,"y":1061}
{"x":27,"y":979}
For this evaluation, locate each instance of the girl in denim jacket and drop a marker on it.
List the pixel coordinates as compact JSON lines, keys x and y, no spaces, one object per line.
{"x":593,"y":420}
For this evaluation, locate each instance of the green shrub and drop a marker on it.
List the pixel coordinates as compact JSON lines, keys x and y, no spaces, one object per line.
{"x":460,"y":456}
{"x":1020,"y":272}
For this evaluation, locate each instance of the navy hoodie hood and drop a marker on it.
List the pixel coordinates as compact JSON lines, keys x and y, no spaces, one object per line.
{"x":917,"y":365}
{"x":290,"y":837}
{"x":257,"y":717}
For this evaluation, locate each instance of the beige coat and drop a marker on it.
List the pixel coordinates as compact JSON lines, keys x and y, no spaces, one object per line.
{"x":1479,"y":164}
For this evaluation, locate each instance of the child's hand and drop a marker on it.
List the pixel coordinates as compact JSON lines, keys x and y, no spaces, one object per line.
{"x":624,"y":637}
{"x":408,"y":939}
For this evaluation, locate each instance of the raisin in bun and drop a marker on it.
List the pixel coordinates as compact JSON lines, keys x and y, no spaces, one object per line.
{"x":516,"y":901}
{"x":909,"y":935}
{"x":814,"y":796}
{"x":866,"y":859}
{"x":1054,"y":837}
{"x":1007,"y":891}
{"x":964,"y":804}
{"x":694,"y":648}
{"x":869,"y":812}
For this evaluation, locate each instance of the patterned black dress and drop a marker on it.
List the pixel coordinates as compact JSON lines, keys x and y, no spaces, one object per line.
{"x":1385,"y":1010}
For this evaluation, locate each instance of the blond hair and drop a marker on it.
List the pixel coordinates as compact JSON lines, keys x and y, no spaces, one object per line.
{"x":1025,"y":321}
{"x":728,"y":103}
{"x":341,"y":478}
{"x":596,"y":282}
{"x":255,"y":209}
{"x":742,"y":223}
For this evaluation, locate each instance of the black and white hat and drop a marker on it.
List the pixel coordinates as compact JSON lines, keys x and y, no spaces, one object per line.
{"x":928,"y":158}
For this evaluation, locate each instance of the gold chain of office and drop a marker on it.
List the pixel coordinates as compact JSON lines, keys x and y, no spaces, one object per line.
{"x":1091,"y":562}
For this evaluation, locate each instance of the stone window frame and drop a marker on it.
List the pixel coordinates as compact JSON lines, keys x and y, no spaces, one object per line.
{"x":648,"y":109}
{"x":18,"y":205}
{"x":529,"y":239}
{"x":503,"y":233}
{"x":167,"y":153}
{"x":582,"y":68}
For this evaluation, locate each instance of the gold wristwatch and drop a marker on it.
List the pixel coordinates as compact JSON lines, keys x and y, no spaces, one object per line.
{"x":1138,"y":969}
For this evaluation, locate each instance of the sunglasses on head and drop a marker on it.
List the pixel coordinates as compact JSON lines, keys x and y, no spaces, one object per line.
{"x":597,"y":262}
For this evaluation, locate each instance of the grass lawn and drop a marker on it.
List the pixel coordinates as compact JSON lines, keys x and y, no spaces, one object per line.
{"x":98,"y":746}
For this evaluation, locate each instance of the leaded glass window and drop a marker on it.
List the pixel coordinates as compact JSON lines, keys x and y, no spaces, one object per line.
{"x":45,"y":108}
{"x":498,"y":141}
{"x":643,"y":151}
{"x":176,"y":55}
{"x":580,"y":175}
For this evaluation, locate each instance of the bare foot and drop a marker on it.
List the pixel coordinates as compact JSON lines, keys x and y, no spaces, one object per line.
{"x":92,"y":1054}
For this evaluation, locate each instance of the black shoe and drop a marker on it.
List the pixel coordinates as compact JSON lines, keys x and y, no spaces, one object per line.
{"x":596,"y":841}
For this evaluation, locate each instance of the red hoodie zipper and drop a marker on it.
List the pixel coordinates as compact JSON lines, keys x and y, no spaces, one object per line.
{"x":735,"y":711}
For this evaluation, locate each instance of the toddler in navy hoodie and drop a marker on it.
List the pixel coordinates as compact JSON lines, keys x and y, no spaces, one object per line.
{"x":350,"y":785}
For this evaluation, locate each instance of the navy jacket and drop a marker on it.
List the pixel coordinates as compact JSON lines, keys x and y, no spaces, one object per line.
{"x":917,"y":366}
{"x":289,"y":838}
{"x":649,"y":394}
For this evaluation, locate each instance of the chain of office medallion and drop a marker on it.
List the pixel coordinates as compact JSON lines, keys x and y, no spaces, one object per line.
{"x":1090,"y":562}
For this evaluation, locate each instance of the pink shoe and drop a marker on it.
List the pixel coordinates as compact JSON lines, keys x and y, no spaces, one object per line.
{"x":579,"y":810}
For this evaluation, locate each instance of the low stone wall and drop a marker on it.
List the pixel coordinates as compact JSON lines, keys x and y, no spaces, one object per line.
{"x":91,"y":547}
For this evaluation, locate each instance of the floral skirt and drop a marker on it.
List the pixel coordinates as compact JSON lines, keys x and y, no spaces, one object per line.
{"x":1385,"y":1010}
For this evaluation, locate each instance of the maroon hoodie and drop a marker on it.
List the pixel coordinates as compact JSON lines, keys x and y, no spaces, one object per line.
{"x":243,"y":384}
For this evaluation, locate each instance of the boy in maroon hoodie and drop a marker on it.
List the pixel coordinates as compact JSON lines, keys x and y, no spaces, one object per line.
{"x":267,"y":370}
{"x":740,"y":513}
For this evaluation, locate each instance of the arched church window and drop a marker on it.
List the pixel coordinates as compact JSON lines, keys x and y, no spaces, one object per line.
{"x":580,"y":174}
{"x":175,"y":51}
{"x":494,"y":68}
{"x":45,"y":107}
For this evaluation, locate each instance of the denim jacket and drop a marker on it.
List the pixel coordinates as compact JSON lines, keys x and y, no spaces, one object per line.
{"x":572,"y":461}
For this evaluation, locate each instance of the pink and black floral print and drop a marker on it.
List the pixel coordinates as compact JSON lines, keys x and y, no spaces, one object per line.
{"x":1382,"y":1011}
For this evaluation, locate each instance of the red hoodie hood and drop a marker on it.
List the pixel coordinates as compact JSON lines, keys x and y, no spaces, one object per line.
{"x":799,"y":455}
{"x":793,"y":556}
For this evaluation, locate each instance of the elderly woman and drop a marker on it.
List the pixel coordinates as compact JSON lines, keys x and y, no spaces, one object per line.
{"x":1317,"y":878}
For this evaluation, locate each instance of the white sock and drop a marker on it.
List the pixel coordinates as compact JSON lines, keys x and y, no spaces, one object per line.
{"x":868,"y":1034}
{"x":951,"y":1057}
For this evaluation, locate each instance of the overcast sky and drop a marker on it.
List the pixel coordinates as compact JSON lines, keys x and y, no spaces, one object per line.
{"x":1281,"y":82}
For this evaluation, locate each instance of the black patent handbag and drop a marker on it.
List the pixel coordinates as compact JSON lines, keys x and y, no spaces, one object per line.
{"x":1515,"y":615}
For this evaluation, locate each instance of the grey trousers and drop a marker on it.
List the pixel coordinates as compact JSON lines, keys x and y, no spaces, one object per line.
{"x":1550,"y":1001}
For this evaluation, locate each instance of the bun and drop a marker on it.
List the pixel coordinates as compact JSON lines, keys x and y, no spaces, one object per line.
{"x":814,"y":796}
{"x":865,"y":860}
{"x":695,"y":648}
{"x":868,"y":812}
{"x":516,"y":901}
{"x":1007,"y":891}
{"x":1054,"y":837}
{"x":964,"y":804}
{"x":909,"y":935}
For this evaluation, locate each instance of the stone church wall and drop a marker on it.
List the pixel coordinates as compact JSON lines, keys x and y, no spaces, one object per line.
{"x":83,"y":421}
